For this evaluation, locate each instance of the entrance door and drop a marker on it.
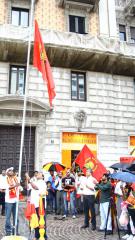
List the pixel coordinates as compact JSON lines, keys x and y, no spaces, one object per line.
{"x":10,"y":137}
{"x":74,"y":154}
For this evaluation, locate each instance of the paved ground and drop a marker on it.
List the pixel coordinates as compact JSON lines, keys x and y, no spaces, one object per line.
{"x":68,"y":229}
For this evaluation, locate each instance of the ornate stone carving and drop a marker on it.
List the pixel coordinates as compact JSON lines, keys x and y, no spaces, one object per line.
{"x":88,"y":5}
{"x":80,"y":118}
{"x":130,"y":8}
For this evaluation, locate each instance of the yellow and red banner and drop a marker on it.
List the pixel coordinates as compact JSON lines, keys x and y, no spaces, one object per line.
{"x":75,"y":141}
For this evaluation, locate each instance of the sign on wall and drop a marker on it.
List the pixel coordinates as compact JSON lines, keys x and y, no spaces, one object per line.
{"x":72,"y":141}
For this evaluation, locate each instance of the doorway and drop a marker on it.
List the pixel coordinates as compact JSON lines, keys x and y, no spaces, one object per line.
{"x":10,"y":137}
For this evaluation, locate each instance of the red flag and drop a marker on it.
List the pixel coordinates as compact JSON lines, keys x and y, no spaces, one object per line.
{"x":40,"y":61}
{"x":86,"y":159}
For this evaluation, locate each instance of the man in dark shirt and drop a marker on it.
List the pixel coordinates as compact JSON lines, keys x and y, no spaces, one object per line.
{"x":105,"y":196}
{"x":68,"y":184}
{"x":59,"y":193}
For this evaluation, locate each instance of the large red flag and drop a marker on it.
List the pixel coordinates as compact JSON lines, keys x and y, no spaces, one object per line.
{"x":40,"y":61}
{"x":86,"y":159}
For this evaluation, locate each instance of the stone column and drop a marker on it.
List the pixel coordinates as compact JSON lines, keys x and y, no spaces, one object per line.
{"x":112,"y":19}
{"x":40,"y":142}
{"x":103,"y":18}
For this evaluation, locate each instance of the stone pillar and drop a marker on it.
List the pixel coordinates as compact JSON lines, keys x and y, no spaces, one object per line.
{"x":112,"y":19}
{"x":40,"y":142}
{"x":103,"y":18}
{"x":107,"y":18}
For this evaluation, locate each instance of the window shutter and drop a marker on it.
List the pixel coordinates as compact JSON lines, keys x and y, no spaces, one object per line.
{"x":71,"y":23}
{"x":132,"y":31}
{"x":122,"y":28}
{"x":81,"y":24}
{"x":122,"y":32}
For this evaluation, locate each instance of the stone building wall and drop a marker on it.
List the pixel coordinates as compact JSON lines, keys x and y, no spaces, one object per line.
{"x":110,"y":110}
{"x":49,"y":15}
{"x":110,"y":105}
{"x":123,"y":18}
{"x":94,"y":24}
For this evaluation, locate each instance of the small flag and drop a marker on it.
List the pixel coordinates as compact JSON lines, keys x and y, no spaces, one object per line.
{"x":40,"y":61}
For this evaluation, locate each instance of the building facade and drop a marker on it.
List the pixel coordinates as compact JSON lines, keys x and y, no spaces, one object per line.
{"x":91,"y":48}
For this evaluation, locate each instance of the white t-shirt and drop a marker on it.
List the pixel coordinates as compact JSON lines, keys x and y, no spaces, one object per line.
{"x":88,"y":182}
{"x":7,"y":196}
{"x":118,"y":190}
{"x":79,"y":184}
{"x":3,"y":180}
{"x":35,"y":194}
{"x":58,"y":184}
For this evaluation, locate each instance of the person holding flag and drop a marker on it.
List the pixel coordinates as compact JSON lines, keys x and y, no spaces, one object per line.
{"x":11,"y":189}
{"x":94,"y":170}
{"x":86,"y":159}
{"x":38,"y":199}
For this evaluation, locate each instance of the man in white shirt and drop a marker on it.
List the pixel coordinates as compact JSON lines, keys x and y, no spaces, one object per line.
{"x":2,"y":191}
{"x":38,"y":189}
{"x":11,"y":187}
{"x":34,"y":178}
{"x":88,"y":190}
{"x":79,"y":191}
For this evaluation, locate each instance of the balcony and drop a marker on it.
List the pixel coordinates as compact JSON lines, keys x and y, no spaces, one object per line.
{"x":130,"y":8}
{"x":77,"y":51}
{"x":89,"y":5}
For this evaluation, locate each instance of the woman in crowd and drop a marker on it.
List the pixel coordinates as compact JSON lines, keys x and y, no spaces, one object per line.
{"x":129,"y":197}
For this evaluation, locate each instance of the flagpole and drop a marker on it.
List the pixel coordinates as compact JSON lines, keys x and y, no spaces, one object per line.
{"x":24,"y":109}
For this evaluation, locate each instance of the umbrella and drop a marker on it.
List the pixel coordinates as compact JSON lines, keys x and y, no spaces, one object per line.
{"x":131,"y":167}
{"x":53,"y":166}
{"x":123,"y":176}
{"x":120,"y":165}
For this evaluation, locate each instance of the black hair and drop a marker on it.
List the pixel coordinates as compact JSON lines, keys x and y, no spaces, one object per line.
{"x":106,"y":175}
{"x":48,"y":182}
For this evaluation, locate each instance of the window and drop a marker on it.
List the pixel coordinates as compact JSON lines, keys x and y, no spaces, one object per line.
{"x":20,"y":17}
{"x":78,"y":86}
{"x":122,"y":33}
{"x":17,"y":80}
{"x":132,"y":32}
{"x":77,"y":24}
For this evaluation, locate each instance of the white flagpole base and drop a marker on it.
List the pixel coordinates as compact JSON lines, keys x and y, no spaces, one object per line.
{"x":14,"y":238}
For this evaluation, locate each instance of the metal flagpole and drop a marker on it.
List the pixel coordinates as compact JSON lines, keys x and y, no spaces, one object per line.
{"x":24,"y":109}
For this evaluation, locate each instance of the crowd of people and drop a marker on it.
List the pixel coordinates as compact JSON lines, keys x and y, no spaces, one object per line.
{"x":71,"y":193}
